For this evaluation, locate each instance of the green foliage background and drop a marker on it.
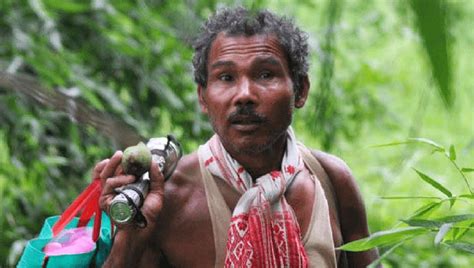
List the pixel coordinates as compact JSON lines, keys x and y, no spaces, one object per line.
{"x":379,"y":74}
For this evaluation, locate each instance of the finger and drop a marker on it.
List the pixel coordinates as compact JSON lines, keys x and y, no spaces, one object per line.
{"x":104,"y":202}
{"x":154,"y":201}
{"x":98,"y":168}
{"x":111,"y":166}
{"x":116,"y":182}
{"x":156,"y":179}
{"x":108,"y":189}
{"x":119,"y":171}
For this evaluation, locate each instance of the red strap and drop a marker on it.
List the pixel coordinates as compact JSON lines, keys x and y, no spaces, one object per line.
{"x":89,"y":209}
{"x":89,"y":196}
{"x":97,"y":221}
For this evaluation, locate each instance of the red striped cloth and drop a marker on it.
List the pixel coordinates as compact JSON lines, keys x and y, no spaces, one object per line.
{"x":263,"y":229}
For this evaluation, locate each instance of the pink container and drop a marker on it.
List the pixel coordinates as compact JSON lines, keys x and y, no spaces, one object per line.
{"x":71,"y":241}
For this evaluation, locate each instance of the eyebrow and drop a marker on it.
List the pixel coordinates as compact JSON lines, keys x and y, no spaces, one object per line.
{"x":268,"y":60}
{"x":261,"y":60}
{"x":222,"y":63}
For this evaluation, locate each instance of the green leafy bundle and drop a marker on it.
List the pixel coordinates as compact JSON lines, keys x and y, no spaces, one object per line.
{"x":449,"y":230}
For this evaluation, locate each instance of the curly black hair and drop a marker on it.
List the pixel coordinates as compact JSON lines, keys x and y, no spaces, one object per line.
{"x":241,"y":21}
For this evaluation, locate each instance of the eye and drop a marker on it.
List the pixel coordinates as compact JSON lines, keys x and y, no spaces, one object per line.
{"x":265,"y":75}
{"x":226,"y":77}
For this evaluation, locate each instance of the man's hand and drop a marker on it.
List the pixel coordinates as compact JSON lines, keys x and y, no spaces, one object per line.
{"x":112,"y":176}
{"x":131,"y":242}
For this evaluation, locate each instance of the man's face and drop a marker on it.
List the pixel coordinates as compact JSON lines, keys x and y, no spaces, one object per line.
{"x":249,"y":96}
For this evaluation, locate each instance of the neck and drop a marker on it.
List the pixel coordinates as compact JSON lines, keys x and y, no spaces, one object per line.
{"x":265,"y":161}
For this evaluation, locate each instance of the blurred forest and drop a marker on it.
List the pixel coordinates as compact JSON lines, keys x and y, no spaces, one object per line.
{"x":81,"y":79}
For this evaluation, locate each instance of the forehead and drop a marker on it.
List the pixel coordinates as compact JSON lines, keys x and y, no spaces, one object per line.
{"x":230,"y":47}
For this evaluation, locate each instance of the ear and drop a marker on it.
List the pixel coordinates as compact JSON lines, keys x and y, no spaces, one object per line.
{"x":202,"y":102}
{"x":300,"y":98}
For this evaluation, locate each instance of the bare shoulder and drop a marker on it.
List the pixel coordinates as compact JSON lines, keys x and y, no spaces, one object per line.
{"x":184,"y":196}
{"x":186,"y":170}
{"x":351,"y":207}
{"x":338,"y":172}
{"x":185,"y":179}
{"x":178,"y":195}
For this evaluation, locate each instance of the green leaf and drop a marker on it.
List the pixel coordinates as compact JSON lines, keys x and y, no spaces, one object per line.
{"x":452,"y":152}
{"x":410,"y":197}
{"x":456,"y":218}
{"x":432,"y":23}
{"x":434,"y":183}
{"x":394,"y":143}
{"x":425,"y":209}
{"x":464,"y":246}
{"x":384,"y":238}
{"x":442,"y":232}
{"x":460,"y":232}
{"x":423,"y":223}
{"x":384,"y":255}
{"x":467,"y":169}
{"x":438,"y":148}
{"x":451,"y":202}
{"x":428,"y":142}
{"x":67,"y":5}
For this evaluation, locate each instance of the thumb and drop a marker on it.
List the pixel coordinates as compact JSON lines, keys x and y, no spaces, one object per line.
{"x":156,"y":179}
{"x":154,"y":201}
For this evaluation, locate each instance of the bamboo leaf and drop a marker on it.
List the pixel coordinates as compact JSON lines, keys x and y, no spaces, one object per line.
{"x":467,"y":169}
{"x":410,"y":197}
{"x":432,"y":23}
{"x":428,"y":142}
{"x":384,"y":255}
{"x":464,"y":246}
{"x":423,"y":223}
{"x":394,"y":143}
{"x":434,"y":183}
{"x":425,"y":209}
{"x":442,"y":232}
{"x":459,"y":233}
{"x":456,"y":218}
{"x":451,"y":202}
{"x":452,"y":152}
{"x":384,"y":238}
{"x":437,"y":147}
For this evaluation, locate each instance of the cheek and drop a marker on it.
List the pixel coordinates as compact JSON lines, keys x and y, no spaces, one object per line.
{"x":216,"y":116}
{"x":284,"y":113}
{"x":285,"y":103}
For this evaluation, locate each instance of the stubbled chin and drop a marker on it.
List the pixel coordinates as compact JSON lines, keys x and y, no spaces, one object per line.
{"x":250,"y":145}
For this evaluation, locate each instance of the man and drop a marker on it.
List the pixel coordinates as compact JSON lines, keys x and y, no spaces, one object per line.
{"x":251,"y":196}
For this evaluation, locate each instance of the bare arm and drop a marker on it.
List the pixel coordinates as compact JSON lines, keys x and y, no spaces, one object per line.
{"x":351,"y":209}
{"x":129,"y":250}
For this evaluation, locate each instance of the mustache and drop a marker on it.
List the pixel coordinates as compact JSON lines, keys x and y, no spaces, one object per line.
{"x":246,"y":113}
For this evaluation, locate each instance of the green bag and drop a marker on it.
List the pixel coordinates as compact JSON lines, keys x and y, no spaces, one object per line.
{"x":87,"y":201}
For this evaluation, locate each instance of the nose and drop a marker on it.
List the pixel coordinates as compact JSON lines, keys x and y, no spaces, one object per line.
{"x":246,"y":94}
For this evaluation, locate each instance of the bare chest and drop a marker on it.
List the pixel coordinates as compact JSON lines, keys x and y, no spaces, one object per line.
{"x":188,"y":240}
